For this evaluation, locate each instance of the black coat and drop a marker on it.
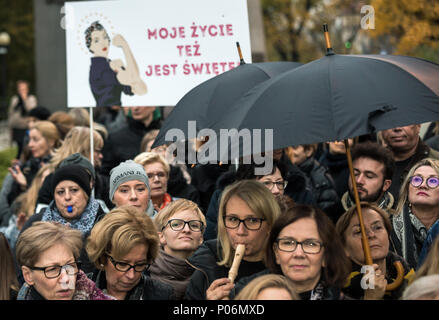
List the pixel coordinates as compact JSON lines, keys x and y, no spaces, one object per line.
{"x":179,"y":188}
{"x":147,"y":288}
{"x":124,"y":144}
{"x":204,"y":261}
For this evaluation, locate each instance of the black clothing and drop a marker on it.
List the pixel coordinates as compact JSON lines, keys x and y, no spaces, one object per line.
{"x":124,"y":144}
{"x":146,"y":289}
{"x":179,"y":188}
{"x":337,"y":165}
{"x":204,"y":261}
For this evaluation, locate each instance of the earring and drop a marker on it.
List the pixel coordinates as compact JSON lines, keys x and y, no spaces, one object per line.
{"x":102,"y":266}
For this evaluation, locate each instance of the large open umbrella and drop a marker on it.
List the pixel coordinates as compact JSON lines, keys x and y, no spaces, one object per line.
{"x":212,"y":99}
{"x":335,"y":98}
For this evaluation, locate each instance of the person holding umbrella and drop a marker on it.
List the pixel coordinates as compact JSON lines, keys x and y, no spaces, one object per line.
{"x":378,"y":226}
{"x":417,"y":210}
{"x":304,"y":247}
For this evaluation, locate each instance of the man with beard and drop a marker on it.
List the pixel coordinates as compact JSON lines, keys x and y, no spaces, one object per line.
{"x":373,"y":169}
{"x":407,"y":149}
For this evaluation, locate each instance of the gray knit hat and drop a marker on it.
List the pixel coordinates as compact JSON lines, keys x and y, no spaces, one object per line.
{"x":127,"y":171}
{"x":79,"y":159}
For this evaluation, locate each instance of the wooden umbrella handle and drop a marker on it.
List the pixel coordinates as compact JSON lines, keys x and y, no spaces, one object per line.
{"x":364,"y":241}
{"x":399,"y":277}
{"x":239,"y":253}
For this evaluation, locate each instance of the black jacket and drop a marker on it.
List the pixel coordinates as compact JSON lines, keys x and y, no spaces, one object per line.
{"x":325,"y":195}
{"x":146,"y":289}
{"x":179,"y":188}
{"x":204,"y":261}
{"x":124,"y":144}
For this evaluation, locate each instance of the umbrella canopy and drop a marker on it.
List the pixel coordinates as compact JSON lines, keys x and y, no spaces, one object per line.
{"x":338,"y":97}
{"x":212,"y":99}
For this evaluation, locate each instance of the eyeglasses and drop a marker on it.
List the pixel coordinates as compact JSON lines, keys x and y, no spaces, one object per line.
{"x":432,"y":182}
{"x":232,"y":222}
{"x":290,"y":245}
{"x":159,"y":175}
{"x":281,"y":185}
{"x":179,"y":224}
{"x":125,"y":267}
{"x":52,"y":272}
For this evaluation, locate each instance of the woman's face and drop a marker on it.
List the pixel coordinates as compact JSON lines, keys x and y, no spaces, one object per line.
{"x":38,"y":145}
{"x":271,"y":181}
{"x":336,"y":147}
{"x":302,"y":268}
{"x":99,"y":43}
{"x":158,"y":179}
{"x":254,"y":240}
{"x":70,"y":194}
{"x":376,"y":234}
{"x":59,"y":288}
{"x":122,"y":282}
{"x":423,"y":195}
{"x":133,"y":193}
{"x":184,"y":242}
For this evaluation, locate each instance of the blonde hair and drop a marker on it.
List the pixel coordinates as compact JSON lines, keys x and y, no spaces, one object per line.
{"x":404,"y":191}
{"x":146,"y":158}
{"x":258,"y":198}
{"x":118,"y":232}
{"x":49,"y":131}
{"x":77,"y":140}
{"x":63,"y":122}
{"x":148,"y":137}
{"x":42,"y":236}
{"x":426,"y":287}
{"x":162,"y":218}
{"x":254,"y":287}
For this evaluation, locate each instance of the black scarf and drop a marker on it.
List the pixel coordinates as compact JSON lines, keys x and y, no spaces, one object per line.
{"x":20,"y":106}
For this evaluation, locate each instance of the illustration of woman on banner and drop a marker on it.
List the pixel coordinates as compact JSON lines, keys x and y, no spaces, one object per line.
{"x":108,"y":79}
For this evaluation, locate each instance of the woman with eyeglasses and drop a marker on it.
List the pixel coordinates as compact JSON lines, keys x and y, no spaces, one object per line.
{"x":377,"y":227}
{"x":181,"y":225}
{"x":122,"y":246}
{"x":246,"y":213}
{"x":417,"y":210}
{"x":304,"y":247}
{"x":48,"y":254}
{"x":157,"y":169}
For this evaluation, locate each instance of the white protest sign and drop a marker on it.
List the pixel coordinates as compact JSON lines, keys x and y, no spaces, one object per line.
{"x":149,"y":52}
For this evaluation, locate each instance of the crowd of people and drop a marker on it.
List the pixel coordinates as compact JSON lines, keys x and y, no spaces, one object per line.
{"x":133,"y":224}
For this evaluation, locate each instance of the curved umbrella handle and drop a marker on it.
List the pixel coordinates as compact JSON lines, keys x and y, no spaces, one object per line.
{"x":399,"y":278}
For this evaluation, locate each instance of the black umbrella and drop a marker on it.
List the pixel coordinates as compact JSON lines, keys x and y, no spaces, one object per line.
{"x":338,"y":97}
{"x":212,"y":99}
{"x":335,"y":98}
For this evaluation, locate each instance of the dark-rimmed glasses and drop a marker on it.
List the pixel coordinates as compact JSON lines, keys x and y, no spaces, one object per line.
{"x":432,"y":182}
{"x":179,"y":224}
{"x":308,"y":246}
{"x":232,"y":222}
{"x":52,"y":272}
{"x":281,"y":185}
{"x":125,"y":267}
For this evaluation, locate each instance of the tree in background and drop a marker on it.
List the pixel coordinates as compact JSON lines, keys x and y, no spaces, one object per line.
{"x":16,"y":18}
{"x":411,"y":27}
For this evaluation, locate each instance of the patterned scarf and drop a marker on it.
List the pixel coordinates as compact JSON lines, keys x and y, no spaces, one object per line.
{"x":83,"y":223}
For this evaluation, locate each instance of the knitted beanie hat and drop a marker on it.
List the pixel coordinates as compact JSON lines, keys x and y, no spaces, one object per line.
{"x":75,"y":173}
{"x":127,"y":171}
{"x":79,"y":159}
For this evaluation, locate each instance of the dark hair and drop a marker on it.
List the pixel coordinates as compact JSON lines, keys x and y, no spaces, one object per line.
{"x":95,"y":26}
{"x":247,"y":171}
{"x":338,"y":264}
{"x":375,"y":152}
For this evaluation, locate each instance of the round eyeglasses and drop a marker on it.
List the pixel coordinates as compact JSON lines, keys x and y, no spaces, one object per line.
{"x":232,"y":222}
{"x":125,"y":267}
{"x":179,"y":224}
{"x":432,"y":182}
{"x":281,"y":185}
{"x":52,"y":272}
{"x":308,"y":246}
